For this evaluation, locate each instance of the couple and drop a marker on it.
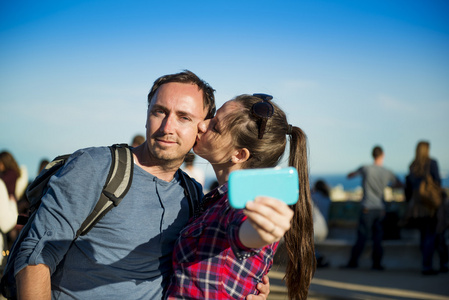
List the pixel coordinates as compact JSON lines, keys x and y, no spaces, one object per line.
{"x":136,"y":251}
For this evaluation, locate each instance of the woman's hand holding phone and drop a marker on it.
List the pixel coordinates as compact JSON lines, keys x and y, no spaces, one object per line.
{"x":268,"y":219}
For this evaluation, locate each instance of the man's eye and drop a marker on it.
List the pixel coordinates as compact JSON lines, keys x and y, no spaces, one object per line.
{"x":158,"y":112}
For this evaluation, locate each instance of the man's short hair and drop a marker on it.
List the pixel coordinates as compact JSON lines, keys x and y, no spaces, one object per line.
{"x":188,"y":77}
{"x":377,"y":151}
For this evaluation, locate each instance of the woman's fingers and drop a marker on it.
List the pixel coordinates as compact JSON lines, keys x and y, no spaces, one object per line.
{"x":268,"y":205}
{"x":269,"y":215}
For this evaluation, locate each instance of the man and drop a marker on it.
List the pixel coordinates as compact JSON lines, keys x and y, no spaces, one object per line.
{"x":375,"y":178}
{"x":127,"y":255}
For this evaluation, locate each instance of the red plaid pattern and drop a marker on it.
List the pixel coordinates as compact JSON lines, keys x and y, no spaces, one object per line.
{"x":210,"y":262}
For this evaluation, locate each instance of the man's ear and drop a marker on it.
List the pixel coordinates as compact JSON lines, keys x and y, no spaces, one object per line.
{"x":240,"y":156}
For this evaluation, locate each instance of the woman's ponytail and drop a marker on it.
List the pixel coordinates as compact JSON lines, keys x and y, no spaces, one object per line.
{"x":299,"y":239}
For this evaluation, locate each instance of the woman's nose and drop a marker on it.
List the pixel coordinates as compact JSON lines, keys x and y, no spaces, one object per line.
{"x":202,"y":126}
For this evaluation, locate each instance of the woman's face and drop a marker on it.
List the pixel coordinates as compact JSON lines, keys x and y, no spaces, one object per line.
{"x":212,"y":143}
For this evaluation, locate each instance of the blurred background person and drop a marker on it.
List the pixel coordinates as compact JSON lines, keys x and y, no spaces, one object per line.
{"x":321,"y":205}
{"x":16,"y":181}
{"x":44,"y":162}
{"x":13,"y":175}
{"x":23,"y":204}
{"x":137,"y":140}
{"x":8,"y":218}
{"x":321,"y":198}
{"x":192,"y":170}
{"x":9,"y":172}
{"x":427,"y":217}
{"x":375,"y":178}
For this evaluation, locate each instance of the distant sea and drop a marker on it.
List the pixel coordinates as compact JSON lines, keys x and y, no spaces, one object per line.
{"x":350,"y":184}
{"x":334,"y":180}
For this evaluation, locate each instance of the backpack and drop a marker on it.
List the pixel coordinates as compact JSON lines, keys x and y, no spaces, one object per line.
{"x":429,"y":192}
{"x":116,"y":186}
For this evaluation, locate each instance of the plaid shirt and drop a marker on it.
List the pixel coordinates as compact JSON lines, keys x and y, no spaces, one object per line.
{"x":210,"y":262}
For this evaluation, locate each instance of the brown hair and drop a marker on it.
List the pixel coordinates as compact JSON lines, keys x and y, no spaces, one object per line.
{"x":422,"y":160}
{"x":9,"y":162}
{"x":377,"y":151}
{"x":138,"y":140}
{"x":267,"y":152}
{"x":188,"y":77}
{"x":322,"y":187}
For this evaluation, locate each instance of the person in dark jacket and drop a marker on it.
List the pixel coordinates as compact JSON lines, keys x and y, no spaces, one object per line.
{"x":425,"y":216}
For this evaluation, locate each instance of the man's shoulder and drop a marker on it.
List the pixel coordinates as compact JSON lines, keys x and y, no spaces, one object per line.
{"x":97,"y":154}
{"x":382,"y":171}
{"x":89,"y":160}
{"x":93,"y":151}
{"x":376,"y":167}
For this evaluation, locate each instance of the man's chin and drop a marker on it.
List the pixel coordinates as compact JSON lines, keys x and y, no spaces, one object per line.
{"x":168,"y":156}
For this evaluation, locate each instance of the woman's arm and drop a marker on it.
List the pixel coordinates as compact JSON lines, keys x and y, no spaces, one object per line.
{"x":435,"y":172}
{"x":267,"y":221}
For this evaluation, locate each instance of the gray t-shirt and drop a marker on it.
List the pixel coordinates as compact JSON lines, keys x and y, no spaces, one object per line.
{"x":374,"y":180}
{"x":127,"y":254}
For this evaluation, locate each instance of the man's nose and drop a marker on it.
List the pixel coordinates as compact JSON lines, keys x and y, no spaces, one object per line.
{"x":167,"y":125}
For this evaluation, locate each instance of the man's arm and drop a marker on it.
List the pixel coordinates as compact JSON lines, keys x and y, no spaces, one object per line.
{"x":352,"y":174}
{"x":359,"y":172}
{"x":33,"y":282}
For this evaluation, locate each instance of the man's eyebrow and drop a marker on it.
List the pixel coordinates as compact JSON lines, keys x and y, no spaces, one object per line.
{"x":177,"y":112}
{"x":158,"y":106}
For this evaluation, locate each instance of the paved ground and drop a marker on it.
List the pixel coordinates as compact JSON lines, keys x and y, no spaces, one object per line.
{"x":338,"y":284}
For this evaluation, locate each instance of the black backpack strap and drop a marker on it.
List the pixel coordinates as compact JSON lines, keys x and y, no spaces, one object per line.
{"x":194,"y":193}
{"x":117,"y":184}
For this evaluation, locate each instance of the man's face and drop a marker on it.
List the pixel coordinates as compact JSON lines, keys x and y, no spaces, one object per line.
{"x":172,"y":122}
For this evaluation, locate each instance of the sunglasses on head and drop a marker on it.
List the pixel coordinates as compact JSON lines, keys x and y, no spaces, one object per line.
{"x":262,"y":110}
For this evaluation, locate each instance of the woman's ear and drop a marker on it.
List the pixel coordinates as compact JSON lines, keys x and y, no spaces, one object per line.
{"x":240,"y":156}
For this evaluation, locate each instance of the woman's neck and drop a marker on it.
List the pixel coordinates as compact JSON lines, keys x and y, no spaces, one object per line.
{"x":222,"y":171}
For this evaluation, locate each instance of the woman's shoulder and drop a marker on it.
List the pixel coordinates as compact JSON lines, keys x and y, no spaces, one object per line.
{"x":433,"y":162}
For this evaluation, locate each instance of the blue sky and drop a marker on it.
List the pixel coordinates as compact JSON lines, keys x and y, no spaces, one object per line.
{"x":352,"y":74}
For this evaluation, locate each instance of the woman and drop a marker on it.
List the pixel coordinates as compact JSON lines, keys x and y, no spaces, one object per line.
{"x":425,"y":217}
{"x":8,"y":218}
{"x":321,"y":206}
{"x":224,"y":252}
{"x":9,"y":172}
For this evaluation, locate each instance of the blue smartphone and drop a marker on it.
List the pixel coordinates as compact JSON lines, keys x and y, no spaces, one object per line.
{"x":279,"y":183}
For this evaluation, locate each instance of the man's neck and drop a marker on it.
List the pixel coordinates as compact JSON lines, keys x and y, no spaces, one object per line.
{"x":160,"y":169}
{"x":379,"y":162}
